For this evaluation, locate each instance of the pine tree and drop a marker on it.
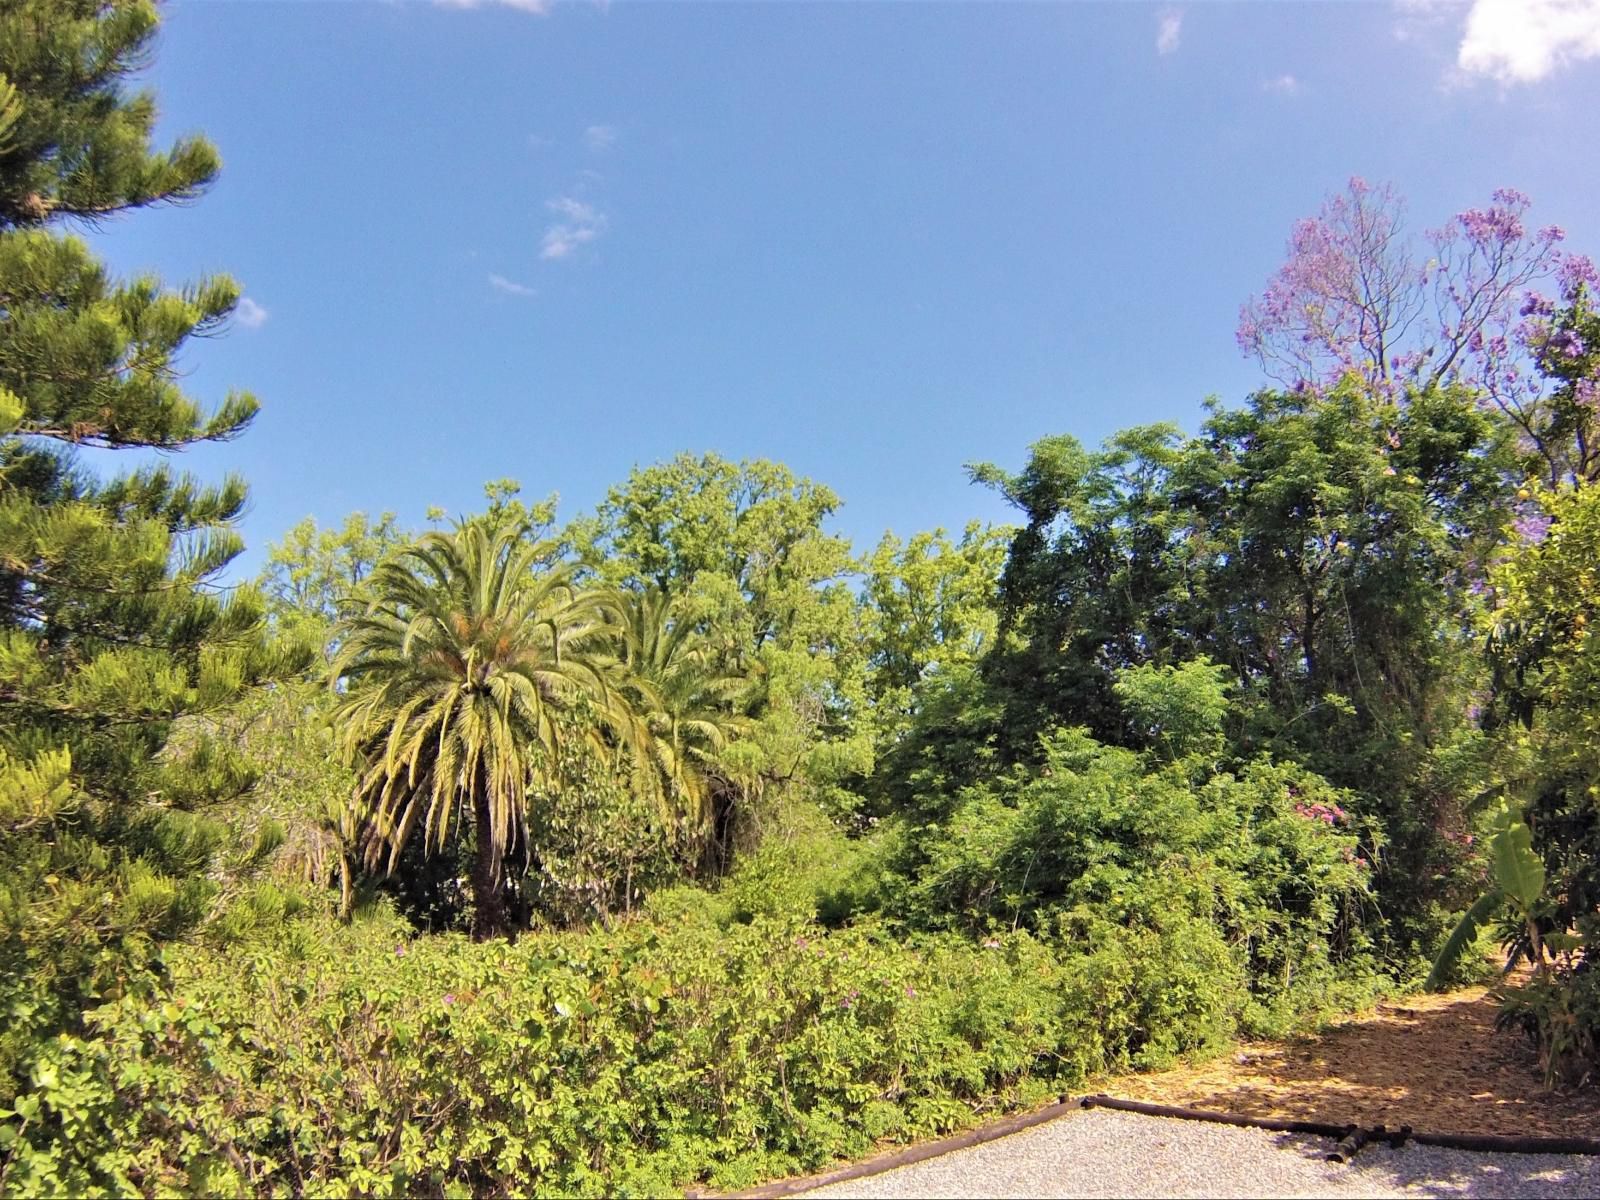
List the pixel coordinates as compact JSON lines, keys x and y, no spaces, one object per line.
{"x":116,"y":637}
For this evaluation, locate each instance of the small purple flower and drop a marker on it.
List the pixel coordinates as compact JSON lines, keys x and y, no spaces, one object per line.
{"x":1578,"y":270}
{"x":399,"y":951}
{"x":1531,"y":527}
{"x":911,"y":992}
{"x":449,"y":997}
{"x":1535,"y":304}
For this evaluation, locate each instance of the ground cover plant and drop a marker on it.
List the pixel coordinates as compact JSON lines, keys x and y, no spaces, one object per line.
{"x":677,"y":842}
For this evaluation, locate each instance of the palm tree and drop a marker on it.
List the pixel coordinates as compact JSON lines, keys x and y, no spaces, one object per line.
{"x":454,"y":675}
{"x":689,"y":701}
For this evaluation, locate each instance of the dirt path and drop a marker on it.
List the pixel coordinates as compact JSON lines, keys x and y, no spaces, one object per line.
{"x":1431,"y":1062}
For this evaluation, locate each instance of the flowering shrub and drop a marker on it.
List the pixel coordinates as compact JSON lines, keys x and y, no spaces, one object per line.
{"x":1326,"y":813}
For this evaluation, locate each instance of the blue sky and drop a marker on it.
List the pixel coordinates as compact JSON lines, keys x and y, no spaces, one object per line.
{"x":872,"y":241}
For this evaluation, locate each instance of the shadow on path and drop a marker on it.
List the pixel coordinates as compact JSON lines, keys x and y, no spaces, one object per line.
{"x":1432,"y":1171}
{"x":1431,"y":1062}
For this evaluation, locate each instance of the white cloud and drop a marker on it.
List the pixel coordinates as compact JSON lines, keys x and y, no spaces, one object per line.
{"x":600,"y":138}
{"x":580,"y":224}
{"x":538,"y":7}
{"x":1522,"y":41}
{"x":1283,"y":85}
{"x":250,"y":314}
{"x":1169,"y":31}
{"x":509,"y":286}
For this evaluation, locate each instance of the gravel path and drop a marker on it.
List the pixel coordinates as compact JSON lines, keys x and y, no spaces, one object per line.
{"x":1100,"y":1152}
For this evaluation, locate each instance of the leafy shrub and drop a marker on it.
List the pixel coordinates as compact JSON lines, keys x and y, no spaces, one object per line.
{"x":335,"y":1060}
{"x":1250,"y":883}
{"x":1546,"y":882}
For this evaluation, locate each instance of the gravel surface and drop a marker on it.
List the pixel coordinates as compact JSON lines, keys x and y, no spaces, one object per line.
{"x":1100,"y":1152}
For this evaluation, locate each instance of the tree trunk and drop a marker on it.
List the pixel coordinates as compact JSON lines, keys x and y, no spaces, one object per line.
{"x":488,"y":897}
{"x":347,"y":890}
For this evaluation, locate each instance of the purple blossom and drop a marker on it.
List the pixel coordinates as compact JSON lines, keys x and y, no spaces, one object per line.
{"x":1501,"y":221}
{"x":1572,"y":345}
{"x":1537,"y":304}
{"x":1531,"y":527}
{"x":1357,"y":295}
{"x":1577,"y":270}
{"x":449,"y":998}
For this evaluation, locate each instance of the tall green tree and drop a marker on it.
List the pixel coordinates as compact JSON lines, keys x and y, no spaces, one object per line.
{"x":1326,"y":547}
{"x":456,"y":674}
{"x":744,"y":549}
{"x":928,"y":605}
{"x":313,"y":570}
{"x":113,"y":625}
{"x":693,"y":702}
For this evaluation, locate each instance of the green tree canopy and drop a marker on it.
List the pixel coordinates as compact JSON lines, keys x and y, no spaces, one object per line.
{"x":456,"y":675}
{"x":114,"y":625}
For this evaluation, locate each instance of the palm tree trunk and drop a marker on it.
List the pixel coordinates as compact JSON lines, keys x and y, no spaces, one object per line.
{"x":347,"y":892}
{"x":488,"y":898}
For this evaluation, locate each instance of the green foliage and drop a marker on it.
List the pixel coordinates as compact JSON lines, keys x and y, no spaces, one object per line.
{"x":631,"y":1063}
{"x":1545,"y":860}
{"x":929,"y":606}
{"x":806,"y":866}
{"x":1265,"y":866}
{"x":597,"y":843}
{"x":313,"y":572}
{"x":694,"y":699}
{"x":1322,"y":549}
{"x":75,"y":142}
{"x":456,"y":674}
{"x":742,"y":550}
{"x":116,"y":643}
{"x":1176,"y":709}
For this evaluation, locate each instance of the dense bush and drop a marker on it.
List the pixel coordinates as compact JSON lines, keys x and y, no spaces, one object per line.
{"x":1252,"y":882}
{"x":332,"y":1061}
{"x":1101,"y":913}
{"x":1547,"y":661}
